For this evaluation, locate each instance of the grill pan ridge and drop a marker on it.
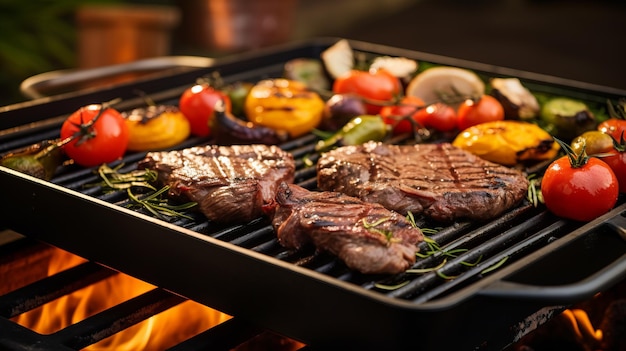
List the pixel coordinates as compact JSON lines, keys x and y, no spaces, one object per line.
{"x":242,"y":269}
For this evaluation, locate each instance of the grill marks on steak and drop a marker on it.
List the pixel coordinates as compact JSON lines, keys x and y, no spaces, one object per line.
{"x":229,"y":183}
{"x":366,"y":236}
{"x":439,"y":181}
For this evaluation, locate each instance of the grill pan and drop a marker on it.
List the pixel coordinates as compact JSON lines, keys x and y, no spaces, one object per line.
{"x":548,"y":263}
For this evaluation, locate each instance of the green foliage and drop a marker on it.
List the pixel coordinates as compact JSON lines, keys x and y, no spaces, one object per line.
{"x":36,"y":36}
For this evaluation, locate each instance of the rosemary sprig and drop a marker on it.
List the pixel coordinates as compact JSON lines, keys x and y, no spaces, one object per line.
{"x":391,"y":287}
{"x":534,"y":195}
{"x":427,"y":270}
{"x":411,"y":219}
{"x":159,"y":206}
{"x":368,"y":225}
{"x":445,"y":276}
{"x":113,"y":180}
{"x":433,"y":249}
{"x":155,"y":203}
{"x":495,"y":266}
{"x":470,"y":264}
{"x":388,"y":234}
{"x":306,"y":159}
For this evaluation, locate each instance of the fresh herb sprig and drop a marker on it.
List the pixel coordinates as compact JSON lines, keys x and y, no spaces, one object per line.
{"x":388,"y":234}
{"x":495,"y":266}
{"x":534,"y":195}
{"x":113,"y":180}
{"x":159,"y":206}
{"x":156,"y":203}
{"x":435,"y":249}
{"x":433,"y":246}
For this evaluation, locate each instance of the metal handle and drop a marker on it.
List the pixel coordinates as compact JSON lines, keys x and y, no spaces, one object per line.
{"x":581,"y":290}
{"x":34,"y":87}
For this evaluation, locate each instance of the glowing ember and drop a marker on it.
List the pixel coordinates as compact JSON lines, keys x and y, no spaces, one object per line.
{"x":188,"y":318}
{"x":597,"y":324}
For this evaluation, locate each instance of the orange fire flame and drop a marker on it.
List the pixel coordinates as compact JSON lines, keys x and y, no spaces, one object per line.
{"x":582,"y":327}
{"x":154,"y":333}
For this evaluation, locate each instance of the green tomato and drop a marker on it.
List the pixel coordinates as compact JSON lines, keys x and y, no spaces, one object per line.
{"x":594,"y":141}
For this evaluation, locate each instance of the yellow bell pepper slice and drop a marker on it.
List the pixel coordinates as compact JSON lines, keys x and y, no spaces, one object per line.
{"x":508,"y":142}
{"x":159,"y":131}
{"x":284,"y":105}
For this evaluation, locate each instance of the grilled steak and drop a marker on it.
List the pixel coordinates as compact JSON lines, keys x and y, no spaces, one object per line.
{"x":229,"y":183}
{"x":440,"y":181}
{"x":367,"y":237}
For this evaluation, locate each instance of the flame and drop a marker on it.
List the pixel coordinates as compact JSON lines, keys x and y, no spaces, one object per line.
{"x":582,"y":327}
{"x":154,"y":333}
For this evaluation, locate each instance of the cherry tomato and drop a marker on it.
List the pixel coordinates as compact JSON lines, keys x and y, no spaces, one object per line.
{"x":372,"y":85}
{"x":580,"y":193}
{"x":471,"y":113}
{"x":613,"y":127}
{"x":594,"y":141}
{"x":438,"y":116}
{"x":104,"y":141}
{"x":398,"y":115}
{"x":197,"y":104}
{"x":617,"y":161}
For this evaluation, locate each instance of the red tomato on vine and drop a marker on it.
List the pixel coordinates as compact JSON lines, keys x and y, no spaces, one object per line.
{"x":377,"y":86}
{"x":486,"y":109}
{"x":579,"y":187}
{"x":616,"y":159}
{"x":100,"y":135}
{"x":398,"y":116}
{"x":613,"y":127}
{"x":438,"y":116}
{"x":617,"y":162}
{"x":197,"y":103}
{"x":616,"y":124}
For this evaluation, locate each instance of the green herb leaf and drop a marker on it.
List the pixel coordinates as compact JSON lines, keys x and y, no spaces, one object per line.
{"x":391,"y":287}
{"x":495,"y":266}
{"x":446,"y":277}
{"x":113,"y":180}
{"x":159,"y":206}
{"x":534,"y":195}
{"x":427,"y":270}
{"x":371,"y":227}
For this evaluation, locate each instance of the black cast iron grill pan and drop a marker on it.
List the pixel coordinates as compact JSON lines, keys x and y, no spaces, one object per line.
{"x":544,"y":263}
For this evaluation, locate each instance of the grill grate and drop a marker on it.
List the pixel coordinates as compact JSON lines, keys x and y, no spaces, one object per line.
{"x":509,"y":237}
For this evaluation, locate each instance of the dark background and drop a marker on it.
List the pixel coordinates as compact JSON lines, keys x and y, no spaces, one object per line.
{"x":582,"y":40}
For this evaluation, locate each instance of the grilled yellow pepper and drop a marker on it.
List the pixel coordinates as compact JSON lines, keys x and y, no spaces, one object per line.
{"x":284,"y":105}
{"x":508,"y":142}
{"x":156,"y":127}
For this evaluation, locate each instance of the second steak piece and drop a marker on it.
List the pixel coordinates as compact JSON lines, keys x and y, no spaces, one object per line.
{"x":229,"y":183}
{"x":367,"y":237}
{"x":440,"y":181}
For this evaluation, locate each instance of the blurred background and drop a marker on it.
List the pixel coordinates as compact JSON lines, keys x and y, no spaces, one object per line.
{"x":577,"y":39}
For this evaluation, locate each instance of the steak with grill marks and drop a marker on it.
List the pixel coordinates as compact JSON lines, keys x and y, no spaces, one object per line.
{"x":366,"y":236}
{"x":440,"y":181}
{"x":229,"y":183}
